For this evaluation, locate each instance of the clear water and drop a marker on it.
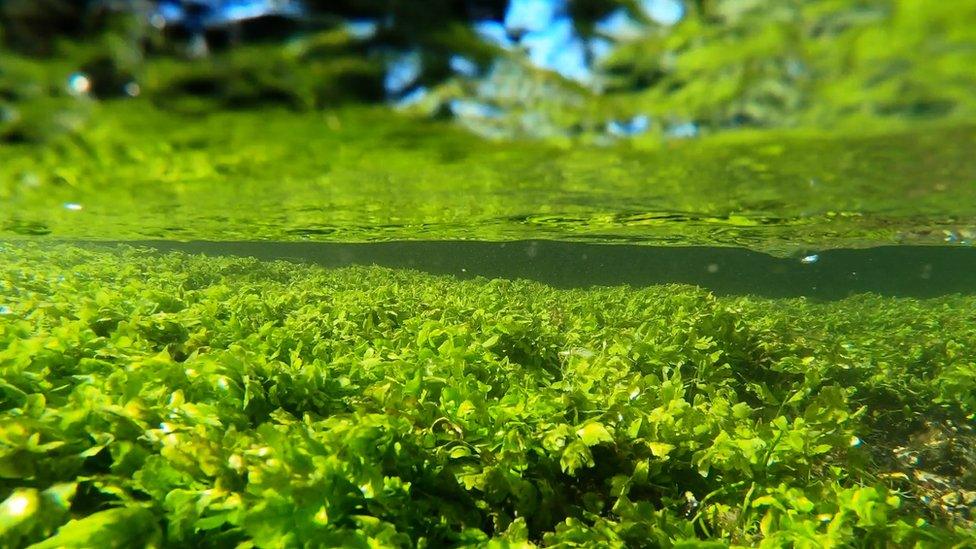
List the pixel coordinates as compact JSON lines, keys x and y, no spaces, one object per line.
{"x":897,"y":271}
{"x":822,"y":284}
{"x":785,"y":320}
{"x":228,"y":323}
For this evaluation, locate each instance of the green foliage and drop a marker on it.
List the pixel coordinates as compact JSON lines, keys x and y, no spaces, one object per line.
{"x":828,"y":64}
{"x":212,"y":402}
{"x":315,"y":72}
{"x":824,"y":63}
{"x":815,"y":64}
{"x":34,"y":101}
{"x":114,"y":528}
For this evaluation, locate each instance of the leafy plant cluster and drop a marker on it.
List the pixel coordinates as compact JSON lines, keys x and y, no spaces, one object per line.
{"x":176,"y":400}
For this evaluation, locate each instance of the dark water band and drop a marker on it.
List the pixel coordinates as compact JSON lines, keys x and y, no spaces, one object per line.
{"x":910,"y":271}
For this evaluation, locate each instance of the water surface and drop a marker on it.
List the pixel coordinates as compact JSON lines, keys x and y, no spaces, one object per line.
{"x":363,"y":175}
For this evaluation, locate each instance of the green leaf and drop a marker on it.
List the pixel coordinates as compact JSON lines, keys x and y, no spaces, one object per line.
{"x":594,"y":433}
{"x":17,"y":509}
{"x":114,"y":528}
{"x":575,"y":456}
{"x":660,"y":449}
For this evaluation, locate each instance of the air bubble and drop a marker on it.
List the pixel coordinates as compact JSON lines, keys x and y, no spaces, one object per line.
{"x":79,"y":84}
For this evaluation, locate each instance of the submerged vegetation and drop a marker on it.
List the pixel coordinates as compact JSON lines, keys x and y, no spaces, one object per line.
{"x":171,"y":400}
{"x":190,"y":401}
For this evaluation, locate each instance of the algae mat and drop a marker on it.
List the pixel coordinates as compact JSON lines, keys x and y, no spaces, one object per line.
{"x":135,"y":172}
{"x":176,"y":400}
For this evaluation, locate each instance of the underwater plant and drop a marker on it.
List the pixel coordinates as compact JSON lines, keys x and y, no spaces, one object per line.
{"x":201,"y":401}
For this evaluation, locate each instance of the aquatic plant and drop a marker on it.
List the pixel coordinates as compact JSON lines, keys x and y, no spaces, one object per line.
{"x":193,"y":401}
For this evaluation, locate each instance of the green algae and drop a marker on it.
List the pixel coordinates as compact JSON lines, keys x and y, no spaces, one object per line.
{"x":199,"y":401}
{"x":361,"y":174}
